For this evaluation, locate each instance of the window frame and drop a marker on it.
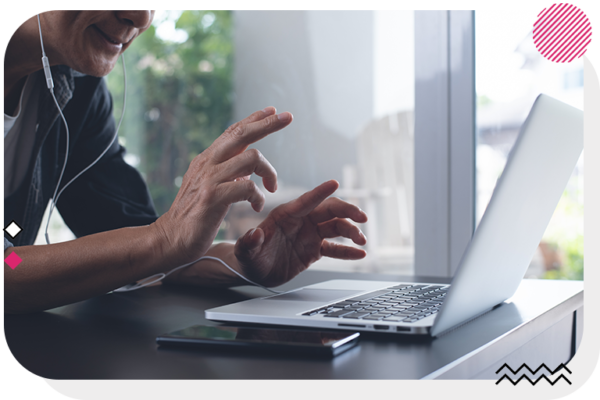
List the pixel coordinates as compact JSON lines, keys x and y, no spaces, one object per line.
{"x":444,"y":139}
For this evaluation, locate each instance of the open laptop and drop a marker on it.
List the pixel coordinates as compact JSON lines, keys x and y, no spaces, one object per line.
{"x":491,"y":269}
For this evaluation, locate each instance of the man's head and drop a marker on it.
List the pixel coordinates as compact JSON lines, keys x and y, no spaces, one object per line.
{"x":91,"y":41}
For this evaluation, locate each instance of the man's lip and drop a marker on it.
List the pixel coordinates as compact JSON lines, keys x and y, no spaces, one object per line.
{"x":110,"y":38}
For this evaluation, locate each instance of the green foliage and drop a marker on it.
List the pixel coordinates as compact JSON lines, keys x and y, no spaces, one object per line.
{"x":483,"y":100}
{"x":565,"y":233}
{"x":179,"y":98}
{"x":573,"y":261}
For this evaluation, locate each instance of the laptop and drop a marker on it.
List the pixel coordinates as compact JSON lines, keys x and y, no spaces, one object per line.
{"x":491,"y":269}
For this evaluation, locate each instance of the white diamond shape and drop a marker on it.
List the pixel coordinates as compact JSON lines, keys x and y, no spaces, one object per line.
{"x":12,"y":229}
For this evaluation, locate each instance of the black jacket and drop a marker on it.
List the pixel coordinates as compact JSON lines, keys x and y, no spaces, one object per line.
{"x":109,"y":195}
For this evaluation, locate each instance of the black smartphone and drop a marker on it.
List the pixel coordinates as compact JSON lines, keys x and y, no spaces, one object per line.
{"x":318,"y":343}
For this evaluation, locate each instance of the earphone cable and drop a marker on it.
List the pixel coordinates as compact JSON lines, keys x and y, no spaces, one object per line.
{"x":116,"y":135}
{"x":161,"y":276}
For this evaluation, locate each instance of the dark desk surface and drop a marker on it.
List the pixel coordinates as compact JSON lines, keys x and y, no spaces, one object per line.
{"x":113,"y":337}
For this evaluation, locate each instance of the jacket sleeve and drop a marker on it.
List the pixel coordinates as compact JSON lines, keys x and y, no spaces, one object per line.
{"x":111,"y":194}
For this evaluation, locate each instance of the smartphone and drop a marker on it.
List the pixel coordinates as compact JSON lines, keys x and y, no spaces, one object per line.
{"x":318,"y":343}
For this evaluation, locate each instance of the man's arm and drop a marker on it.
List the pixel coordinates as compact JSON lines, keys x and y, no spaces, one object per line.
{"x":54,"y":275}
{"x":62,"y":273}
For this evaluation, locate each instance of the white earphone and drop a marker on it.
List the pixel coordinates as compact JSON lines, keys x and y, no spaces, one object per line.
{"x":154,"y":278}
{"x":50,"y":85}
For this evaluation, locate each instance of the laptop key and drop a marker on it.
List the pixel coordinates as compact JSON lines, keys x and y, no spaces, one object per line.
{"x":342,"y":304}
{"x":405,"y":313}
{"x":356,"y":315}
{"x":398,"y":309}
{"x":379,"y":306}
{"x":369,"y":295}
{"x":353,"y":308}
{"x":378,"y":299}
{"x":373,"y":318}
{"x":338,"y":313}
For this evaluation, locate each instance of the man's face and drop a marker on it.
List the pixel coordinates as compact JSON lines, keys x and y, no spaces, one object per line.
{"x":91,"y":41}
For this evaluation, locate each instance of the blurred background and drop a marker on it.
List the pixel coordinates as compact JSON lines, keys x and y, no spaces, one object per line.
{"x":348,"y":77}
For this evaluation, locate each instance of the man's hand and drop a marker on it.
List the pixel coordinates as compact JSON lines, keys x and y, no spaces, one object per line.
{"x":215,"y":179}
{"x":295,"y":234}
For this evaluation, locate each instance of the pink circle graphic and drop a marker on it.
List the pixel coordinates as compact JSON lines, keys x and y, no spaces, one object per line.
{"x":562,"y":33}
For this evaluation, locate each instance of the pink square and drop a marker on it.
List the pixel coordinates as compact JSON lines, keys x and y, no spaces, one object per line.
{"x":13,"y":260}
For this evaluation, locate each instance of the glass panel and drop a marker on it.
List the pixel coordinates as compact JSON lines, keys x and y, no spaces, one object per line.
{"x":510,"y":75}
{"x":348,"y":78}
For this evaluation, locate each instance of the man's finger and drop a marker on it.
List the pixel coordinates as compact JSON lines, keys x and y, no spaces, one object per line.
{"x":304,"y":204}
{"x":237,"y":140}
{"x":337,"y":208}
{"x":247,"y":163}
{"x":341,"y":227}
{"x":233,"y":192}
{"x":249,"y":245}
{"x":255,"y":116}
{"x":334,"y":250}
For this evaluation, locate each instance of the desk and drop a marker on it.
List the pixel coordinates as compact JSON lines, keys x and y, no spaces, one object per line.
{"x":113,"y":337}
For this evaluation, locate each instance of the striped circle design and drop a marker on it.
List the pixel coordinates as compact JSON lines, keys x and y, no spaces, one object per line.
{"x":562,"y":33}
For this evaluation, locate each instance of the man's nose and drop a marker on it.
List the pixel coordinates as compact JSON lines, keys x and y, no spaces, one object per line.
{"x":136,"y":19}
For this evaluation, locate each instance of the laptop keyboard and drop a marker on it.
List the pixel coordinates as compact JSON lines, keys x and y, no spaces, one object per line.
{"x":400,"y":303}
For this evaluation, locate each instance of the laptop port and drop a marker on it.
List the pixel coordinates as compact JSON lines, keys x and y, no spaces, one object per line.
{"x":402,"y":329}
{"x":381,"y":327}
{"x":353,"y":325}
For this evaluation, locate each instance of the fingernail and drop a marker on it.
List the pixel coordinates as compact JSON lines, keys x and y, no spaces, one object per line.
{"x":251,"y":232}
{"x":284,"y":117}
{"x":267,"y":110}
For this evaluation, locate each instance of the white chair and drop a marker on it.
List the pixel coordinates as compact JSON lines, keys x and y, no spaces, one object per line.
{"x":384,"y":185}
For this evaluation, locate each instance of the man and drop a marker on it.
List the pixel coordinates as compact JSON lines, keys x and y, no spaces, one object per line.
{"x":120,"y":238}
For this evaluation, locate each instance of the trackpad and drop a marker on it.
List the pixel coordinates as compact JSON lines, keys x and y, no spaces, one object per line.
{"x":322,"y":295}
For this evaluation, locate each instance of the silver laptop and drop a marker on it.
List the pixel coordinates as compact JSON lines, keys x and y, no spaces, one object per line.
{"x":536,"y":173}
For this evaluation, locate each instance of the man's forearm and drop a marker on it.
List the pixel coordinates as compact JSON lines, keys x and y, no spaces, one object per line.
{"x":62,"y":273}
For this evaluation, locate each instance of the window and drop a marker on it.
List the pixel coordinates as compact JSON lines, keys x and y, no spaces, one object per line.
{"x":348,"y":78}
{"x":510,"y":75}
{"x":573,"y":79}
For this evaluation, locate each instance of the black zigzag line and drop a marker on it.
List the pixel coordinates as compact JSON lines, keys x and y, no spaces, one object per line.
{"x":534,"y":372}
{"x":533,"y":383}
